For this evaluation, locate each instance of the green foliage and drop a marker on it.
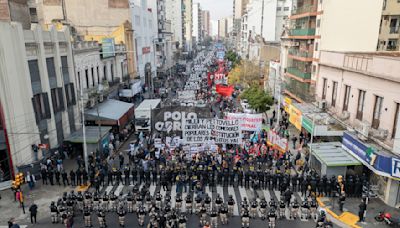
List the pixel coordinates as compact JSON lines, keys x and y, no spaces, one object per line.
{"x":233,"y":57}
{"x":258,"y":99}
{"x":246,"y":73}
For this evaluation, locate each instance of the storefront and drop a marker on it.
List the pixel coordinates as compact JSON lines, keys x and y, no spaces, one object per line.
{"x":6,"y":167}
{"x":332,"y":160}
{"x":96,"y":139}
{"x":383,"y":167}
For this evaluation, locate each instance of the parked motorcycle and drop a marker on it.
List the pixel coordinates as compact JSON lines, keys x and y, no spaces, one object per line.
{"x":384,"y":217}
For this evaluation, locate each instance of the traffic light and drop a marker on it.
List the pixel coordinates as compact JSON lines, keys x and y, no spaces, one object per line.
{"x":19,"y":180}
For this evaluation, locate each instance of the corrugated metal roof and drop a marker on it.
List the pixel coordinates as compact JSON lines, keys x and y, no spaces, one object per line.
{"x":109,"y":109}
{"x":332,"y":154}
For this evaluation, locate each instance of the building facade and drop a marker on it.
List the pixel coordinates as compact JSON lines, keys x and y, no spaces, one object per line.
{"x":361,"y":89}
{"x":197,"y":20}
{"x":222,"y":28}
{"x":174,"y":12}
{"x":205,"y":24}
{"x":145,"y":32}
{"x":389,"y":28}
{"x":44,"y":111}
{"x":188,"y":25}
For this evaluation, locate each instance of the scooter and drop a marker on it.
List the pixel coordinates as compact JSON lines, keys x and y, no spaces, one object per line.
{"x":384,"y":217}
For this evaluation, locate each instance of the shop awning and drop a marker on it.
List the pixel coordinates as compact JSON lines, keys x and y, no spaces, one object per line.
{"x":332,"y":154}
{"x":111,"y":112}
{"x":92,"y":135}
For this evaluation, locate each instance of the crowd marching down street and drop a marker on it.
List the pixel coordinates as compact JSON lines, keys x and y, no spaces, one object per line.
{"x":210,"y":172}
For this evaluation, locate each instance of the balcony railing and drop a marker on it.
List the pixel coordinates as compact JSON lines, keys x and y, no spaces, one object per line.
{"x":305,"y":9}
{"x":304,"y":54}
{"x":302,"y":32}
{"x":394,"y":30}
{"x":391,"y":48}
{"x":299,"y":73}
{"x":301,"y":90}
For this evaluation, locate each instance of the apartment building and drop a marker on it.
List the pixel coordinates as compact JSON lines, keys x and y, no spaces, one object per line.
{"x":389,"y":28}
{"x":206,"y":23}
{"x":197,"y":23}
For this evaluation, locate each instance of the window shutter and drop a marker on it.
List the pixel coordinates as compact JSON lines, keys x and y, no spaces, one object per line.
{"x":73,"y":93}
{"x":61,"y":98}
{"x":46,"y":105}
{"x":37,"y":112}
{"x":67,"y":95}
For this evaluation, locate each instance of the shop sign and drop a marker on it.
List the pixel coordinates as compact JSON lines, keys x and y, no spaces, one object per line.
{"x":145,"y":50}
{"x":380,"y":163}
{"x":287,"y":101}
{"x":395,"y":167}
{"x":295,"y":116}
{"x":307,"y":124}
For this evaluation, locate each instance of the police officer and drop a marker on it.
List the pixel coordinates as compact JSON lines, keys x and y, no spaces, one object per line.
{"x":141,"y":215}
{"x":178,"y":202}
{"x":105,"y":202}
{"x":198,"y":200}
{"x":203,"y":214}
{"x":207,"y":202}
{"x":231,"y":204}
{"x":139,"y":200}
{"x":54,"y":212}
{"x":272,"y":217}
{"x":127,"y":173}
{"x":88,"y":199}
{"x":214,"y":217}
{"x":245,"y":218}
{"x":182,"y":221}
{"x":263,"y":209}
{"x":223,"y":214}
{"x":129,"y":202}
{"x":282,"y":209}
{"x":253,"y":209}
{"x":218,"y":202}
{"x":313,"y":208}
{"x":96,"y":202}
{"x":305,"y":208}
{"x":79,"y":201}
{"x":87,"y":216}
{"x":121,"y":215}
{"x":272,"y":204}
{"x":113,"y":202}
{"x":294,"y":209}
{"x":102,"y":219}
{"x":189,"y":204}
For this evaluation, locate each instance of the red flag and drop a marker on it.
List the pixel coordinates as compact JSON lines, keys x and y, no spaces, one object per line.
{"x":225,"y":91}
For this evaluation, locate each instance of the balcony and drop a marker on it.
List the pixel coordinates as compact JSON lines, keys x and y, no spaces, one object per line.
{"x":305,"y":9}
{"x":302,"y":32}
{"x":301,"y":91}
{"x":305,"y":56}
{"x":394,"y":30}
{"x":299,"y":73}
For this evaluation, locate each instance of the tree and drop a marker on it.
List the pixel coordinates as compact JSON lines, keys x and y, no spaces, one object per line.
{"x":245,"y":73}
{"x":258,"y":99}
{"x":233,"y":57}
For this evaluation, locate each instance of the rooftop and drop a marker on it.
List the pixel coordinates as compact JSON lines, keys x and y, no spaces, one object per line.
{"x":332,"y":154}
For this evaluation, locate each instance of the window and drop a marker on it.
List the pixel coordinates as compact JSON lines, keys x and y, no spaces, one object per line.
{"x":98,"y":75}
{"x":314,"y":68}
{"x":41,"y":106}
{"x":79,"y":80}
{"x":87,"y":78}
{"x":318,"y":23}
{"x":391,"y":44}
{"x":285,"y":8}
{"x":346,"y":97}
{"x":57,"y":98}
{"x":278,"y":8}
{"x":324,"y":83}
{"x":316,"y":46}
{"x":384,"y":4}
{"x":396,"y":119}
{"x":137,"y":20}
{"x":360,"y":105}
{"x":93,"y":81}
{"x":112,"y":72}
{"x":105,"y":72}
{"x":70,"y":94}
{"x":334,"y":93}
{"x":394,"y":25}
{"x":377,"y":112}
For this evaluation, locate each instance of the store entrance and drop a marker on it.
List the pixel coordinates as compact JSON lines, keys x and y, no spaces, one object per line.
{"x":5,"y":169}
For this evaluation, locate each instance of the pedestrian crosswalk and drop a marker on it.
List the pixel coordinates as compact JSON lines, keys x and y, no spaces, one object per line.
{"x":239,"y":193}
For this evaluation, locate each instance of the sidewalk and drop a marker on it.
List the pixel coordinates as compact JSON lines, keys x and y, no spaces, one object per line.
{"x":350,"y":214}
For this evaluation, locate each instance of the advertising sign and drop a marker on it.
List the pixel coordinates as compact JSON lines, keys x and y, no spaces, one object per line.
{"x":307,"y":124}
{"x":286,"y":103}
{"x":248,"y":122}
{"x":108,"y":47}
{"x":170,"y":119}
{"x":295,"y":116}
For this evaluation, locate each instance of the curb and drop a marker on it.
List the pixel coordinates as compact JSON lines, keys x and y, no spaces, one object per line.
{"x":338,"y":217}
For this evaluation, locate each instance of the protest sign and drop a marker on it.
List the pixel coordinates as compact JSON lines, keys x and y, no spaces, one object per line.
{"x":280,"y":143}
{"x":227,"y":131}
{"x":197,"y":131}
{"x":248,"y":122}
{"x":187,"y":95}
{"x":157,"y":143}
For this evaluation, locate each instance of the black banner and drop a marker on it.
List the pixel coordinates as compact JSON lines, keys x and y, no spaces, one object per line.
{"x":170,"y":119}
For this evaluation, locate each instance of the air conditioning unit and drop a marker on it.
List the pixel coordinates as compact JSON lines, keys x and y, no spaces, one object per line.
{"x":380,"y":133}
{"x":322,"y":104}
{"x":91,"y":103}
{"x":363,"y":130}
{"x":344,"y":115}
{"x":329,"y":121}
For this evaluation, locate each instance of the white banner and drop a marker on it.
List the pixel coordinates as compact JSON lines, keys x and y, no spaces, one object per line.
{"x":227,"y":132}
{"x":276,"y":141}
{"x":248,"y":122}
{"x":187,"y":95}
{"x":197,"y":130}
